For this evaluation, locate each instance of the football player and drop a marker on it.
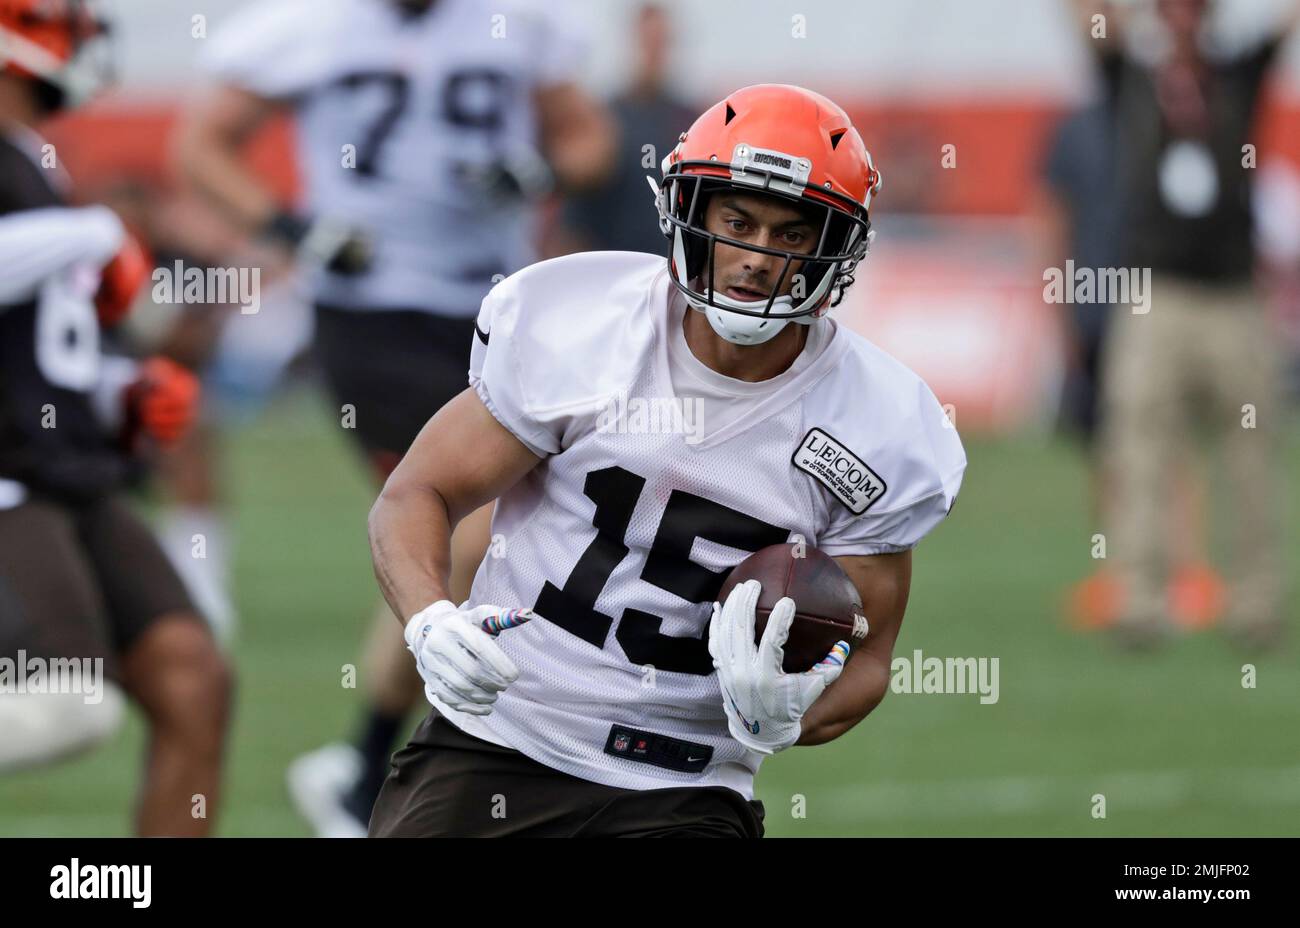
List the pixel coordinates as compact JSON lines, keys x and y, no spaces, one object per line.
{"x":426,"y":131}
{"x":591,"y":685}
{"x":83,"y":583}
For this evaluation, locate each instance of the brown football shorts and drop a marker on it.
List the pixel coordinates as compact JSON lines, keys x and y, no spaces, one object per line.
{"x":446,"y":783}
{"x":82,"y":581}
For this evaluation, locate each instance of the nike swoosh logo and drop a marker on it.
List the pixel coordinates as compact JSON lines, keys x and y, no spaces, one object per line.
{"x":482,"y":336}
{"x":752,"y":726}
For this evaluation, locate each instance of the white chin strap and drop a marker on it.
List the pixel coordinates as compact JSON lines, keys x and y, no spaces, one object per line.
{"x":740,"y":329}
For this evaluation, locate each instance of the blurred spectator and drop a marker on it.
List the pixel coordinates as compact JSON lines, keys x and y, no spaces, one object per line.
{"x":618,"y":216}
{"x":1078,"y":217}
{"x":1204,"y":350}
{"x":1080,"y":208}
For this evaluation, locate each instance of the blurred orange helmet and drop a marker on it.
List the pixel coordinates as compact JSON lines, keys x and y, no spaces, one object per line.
{"x":786,"y":142}
{"x":44,"y":39}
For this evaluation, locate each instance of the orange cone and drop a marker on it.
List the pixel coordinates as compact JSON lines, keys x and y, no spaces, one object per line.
{"x":1196,"y":597}
{"x":1095,"y":602}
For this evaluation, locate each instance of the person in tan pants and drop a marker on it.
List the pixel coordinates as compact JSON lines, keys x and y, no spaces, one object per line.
{"x":1203,"y":355}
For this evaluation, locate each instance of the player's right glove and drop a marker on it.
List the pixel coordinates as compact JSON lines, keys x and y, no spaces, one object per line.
{"x":163,"y":401}
{"x":764,"y":704}
{"x":328,"y":243}
{"x":457,"y":659}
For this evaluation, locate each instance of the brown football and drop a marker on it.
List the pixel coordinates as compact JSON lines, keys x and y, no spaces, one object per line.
{"x":827,"y":605}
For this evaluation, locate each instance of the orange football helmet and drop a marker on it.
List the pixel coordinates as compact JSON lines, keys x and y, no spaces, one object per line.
{"x":786,"y":142}
{"x":45,"y":40}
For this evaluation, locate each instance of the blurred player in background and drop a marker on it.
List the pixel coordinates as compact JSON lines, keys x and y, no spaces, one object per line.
{"x":81,"y":577}
{"x":426,"y":130}
{"x":1206,"y":350}
{"x":613,"y":217}
{"x":190,"y":332}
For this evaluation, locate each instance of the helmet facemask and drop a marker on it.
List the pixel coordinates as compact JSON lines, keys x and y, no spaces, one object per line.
{"x":818,"y":277}
{"x":64,"y":47}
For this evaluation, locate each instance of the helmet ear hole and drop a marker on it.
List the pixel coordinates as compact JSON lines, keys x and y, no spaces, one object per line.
{"x":49,"y":97}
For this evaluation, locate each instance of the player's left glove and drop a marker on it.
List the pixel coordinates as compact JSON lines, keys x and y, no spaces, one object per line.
{"x":456,"y":655}
{"x":324,"y":242}
{"x":764,"y":704}
{"x":162,"y":401}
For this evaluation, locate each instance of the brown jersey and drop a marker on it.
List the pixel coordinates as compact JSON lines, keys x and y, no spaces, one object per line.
{"x":51,"y":439}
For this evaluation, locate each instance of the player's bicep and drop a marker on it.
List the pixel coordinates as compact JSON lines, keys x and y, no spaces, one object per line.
{"x":464,"y":455}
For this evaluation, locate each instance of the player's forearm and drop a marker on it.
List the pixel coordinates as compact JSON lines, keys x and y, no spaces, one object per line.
{"x":584,"y":163}
{"x":410,"y":545}
{"x":883,"y":581}
{"x":846,"y":703}
{"x":222,"y":178}
{"x":579,"y":138}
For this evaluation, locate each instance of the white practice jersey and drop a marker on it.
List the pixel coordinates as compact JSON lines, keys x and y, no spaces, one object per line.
{"x":621,"y":537}
{"x":390,"y":109}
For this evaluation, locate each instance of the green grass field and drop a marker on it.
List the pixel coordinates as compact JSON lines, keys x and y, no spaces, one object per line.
{"x":1173,"y":741}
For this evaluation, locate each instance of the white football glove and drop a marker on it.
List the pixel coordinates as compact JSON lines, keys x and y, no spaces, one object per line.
{"x":764,"y":704}
{"x":517,"y":174}
{"x":326,"y":242}
{"x":456,"y":656}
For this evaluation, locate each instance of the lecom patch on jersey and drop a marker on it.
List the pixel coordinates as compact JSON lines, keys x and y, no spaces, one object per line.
{"x":845,"y":474}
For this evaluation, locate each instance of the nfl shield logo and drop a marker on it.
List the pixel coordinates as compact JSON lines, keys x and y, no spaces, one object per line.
{"x":620,"y":742}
